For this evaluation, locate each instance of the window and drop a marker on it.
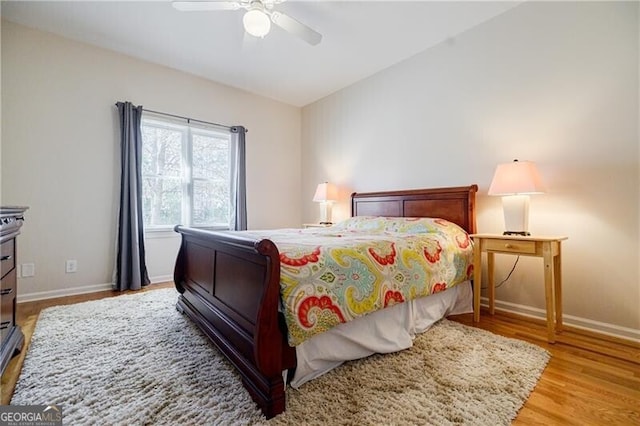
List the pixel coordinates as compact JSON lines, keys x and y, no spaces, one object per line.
{"x":185,"y":174}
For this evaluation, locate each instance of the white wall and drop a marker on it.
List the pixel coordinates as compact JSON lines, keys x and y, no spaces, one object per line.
{"x":554,"y":83}
{"x":60,"y":152}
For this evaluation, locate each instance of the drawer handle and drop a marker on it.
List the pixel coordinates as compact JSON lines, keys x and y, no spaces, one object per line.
{"x":5,"y":324}
{"x":508,"y":246}
{"x":5,"y":291}
{"x":7,"y":257}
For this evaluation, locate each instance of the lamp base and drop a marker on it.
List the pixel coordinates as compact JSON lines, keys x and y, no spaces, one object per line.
{"x":516,"y":214}
{"x":522,"y":233}
{"x":325,"y":213}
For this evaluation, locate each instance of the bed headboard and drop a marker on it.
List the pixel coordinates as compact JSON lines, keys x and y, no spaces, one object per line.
{"x":457,"y":204}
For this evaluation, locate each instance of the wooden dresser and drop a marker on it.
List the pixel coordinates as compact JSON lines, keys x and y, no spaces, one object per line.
{"x":12,"y":338}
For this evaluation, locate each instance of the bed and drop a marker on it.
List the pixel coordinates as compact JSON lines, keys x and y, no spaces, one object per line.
{"x":230,"y":285}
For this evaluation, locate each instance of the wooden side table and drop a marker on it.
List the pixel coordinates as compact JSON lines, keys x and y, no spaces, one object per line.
{"x":549,"y":248}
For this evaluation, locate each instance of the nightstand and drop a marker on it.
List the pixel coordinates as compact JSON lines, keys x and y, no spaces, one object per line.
{"x":547,"y":248}
{"x":316,"y":225}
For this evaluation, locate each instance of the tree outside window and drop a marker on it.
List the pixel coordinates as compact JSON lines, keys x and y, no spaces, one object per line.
{"x":185,"y":175}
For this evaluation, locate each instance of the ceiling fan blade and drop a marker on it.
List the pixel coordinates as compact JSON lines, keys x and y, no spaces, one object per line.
{"x":193,"y":6}
{"x":289,"y":24}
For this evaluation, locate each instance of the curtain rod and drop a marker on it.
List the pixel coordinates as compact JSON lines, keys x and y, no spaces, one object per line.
{"x":189,"y":120}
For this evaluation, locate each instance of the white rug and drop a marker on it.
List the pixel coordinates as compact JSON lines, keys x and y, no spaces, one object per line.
{"x":135,"y":360}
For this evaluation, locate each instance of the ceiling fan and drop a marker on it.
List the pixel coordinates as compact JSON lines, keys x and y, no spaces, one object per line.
{"x":257,"y":18}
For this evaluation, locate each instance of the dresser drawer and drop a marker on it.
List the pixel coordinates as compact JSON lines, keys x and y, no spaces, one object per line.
{"x":8,"y":284}
{"x":510,"y":246}
{"x":7,"y":301}
{"x":7,"y":256}
{"x":6,"y":317}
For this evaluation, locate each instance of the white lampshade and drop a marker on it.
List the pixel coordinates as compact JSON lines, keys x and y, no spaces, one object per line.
{"x":256,"y":23}
{"x":325,"y":192}
{"x":517,"y":177}
{"x":515,"y":181}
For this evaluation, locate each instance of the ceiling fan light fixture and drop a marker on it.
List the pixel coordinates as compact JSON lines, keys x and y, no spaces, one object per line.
{"x":256,"y":23}
{"x":258,"y":16}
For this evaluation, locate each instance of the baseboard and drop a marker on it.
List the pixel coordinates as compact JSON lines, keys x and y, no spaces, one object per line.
{"x":527,"y":311}
{"x":161,"y":279}
{"x":63,"y":292}
{"x":52,"y":294}
{"x":569,"y":320}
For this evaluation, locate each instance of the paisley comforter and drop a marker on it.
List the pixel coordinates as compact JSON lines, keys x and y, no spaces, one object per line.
{"x":333,"y":275}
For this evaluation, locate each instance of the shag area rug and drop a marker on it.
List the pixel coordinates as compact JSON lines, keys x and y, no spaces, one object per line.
{"x":135,"y":360}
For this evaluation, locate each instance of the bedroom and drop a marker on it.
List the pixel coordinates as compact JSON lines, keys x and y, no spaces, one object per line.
{"x":554,"y":83}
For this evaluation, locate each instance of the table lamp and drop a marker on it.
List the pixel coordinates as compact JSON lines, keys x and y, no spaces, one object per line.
{"x":515,"y":181}
{"x":326,"y":194}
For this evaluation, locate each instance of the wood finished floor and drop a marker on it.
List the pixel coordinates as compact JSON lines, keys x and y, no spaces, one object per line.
{"x":590,"y":380}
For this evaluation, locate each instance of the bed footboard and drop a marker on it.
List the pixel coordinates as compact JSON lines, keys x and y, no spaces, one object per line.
{"x":230,"y":288}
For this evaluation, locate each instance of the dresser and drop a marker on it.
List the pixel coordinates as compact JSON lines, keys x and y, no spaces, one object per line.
{"x":11,"y":219}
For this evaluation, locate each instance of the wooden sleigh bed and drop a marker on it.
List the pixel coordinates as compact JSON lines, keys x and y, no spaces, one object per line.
{"x":230,"y":286}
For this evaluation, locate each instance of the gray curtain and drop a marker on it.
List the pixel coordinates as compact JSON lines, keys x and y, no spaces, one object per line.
{"x":131,"y":270}
{"x":238,"y":219}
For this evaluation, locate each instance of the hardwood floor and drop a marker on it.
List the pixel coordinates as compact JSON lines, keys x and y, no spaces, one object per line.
{"x":590,"y":380}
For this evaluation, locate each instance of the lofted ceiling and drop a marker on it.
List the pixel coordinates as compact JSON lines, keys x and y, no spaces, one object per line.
{"x":360,"y":38}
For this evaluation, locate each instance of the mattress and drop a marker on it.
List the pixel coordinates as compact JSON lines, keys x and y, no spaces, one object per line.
{"x":335,"y":275}
{"x":384,"y":331}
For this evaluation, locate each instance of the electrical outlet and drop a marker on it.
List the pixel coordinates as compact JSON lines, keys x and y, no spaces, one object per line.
{"x":71,"y":266}
{"x":27,"y":270}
